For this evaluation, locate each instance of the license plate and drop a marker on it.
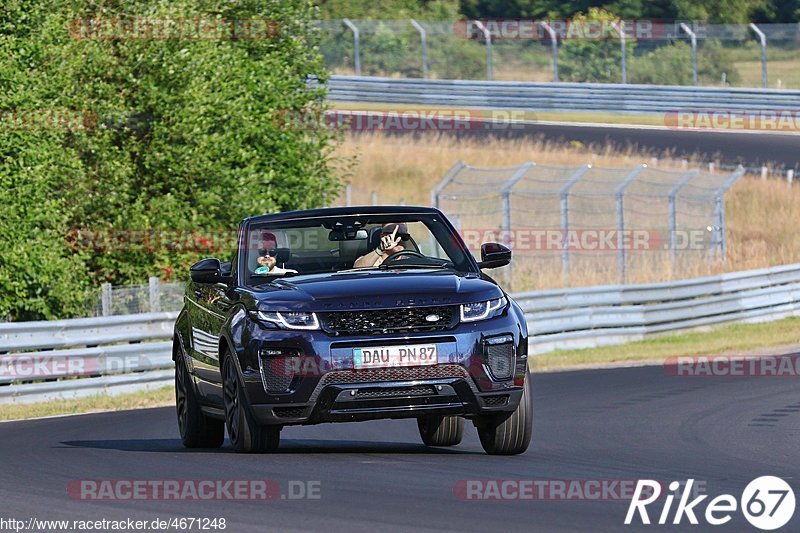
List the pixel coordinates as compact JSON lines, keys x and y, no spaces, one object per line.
{"x":395,"y":356}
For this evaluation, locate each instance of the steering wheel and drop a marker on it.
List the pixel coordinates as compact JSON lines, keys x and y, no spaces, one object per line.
{"x":410,"y":253}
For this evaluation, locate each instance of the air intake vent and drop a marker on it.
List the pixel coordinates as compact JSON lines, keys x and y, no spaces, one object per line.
{"x":277,"y":372}
{"x":501,"y":359}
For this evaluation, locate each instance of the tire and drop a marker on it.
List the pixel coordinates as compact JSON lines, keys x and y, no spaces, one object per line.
{"x":244,"y":432}
{"x":508,"y":433}
{"x":441,"y":430}
{"x":197,"y":430}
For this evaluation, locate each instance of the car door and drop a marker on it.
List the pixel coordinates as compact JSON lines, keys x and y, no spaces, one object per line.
{"x":210,"y":303}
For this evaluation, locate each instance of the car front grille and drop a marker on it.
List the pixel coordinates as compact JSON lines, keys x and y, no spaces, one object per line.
{"x":414,"y":373}
{"x":397,"y":320}
{"x":394,"y":392}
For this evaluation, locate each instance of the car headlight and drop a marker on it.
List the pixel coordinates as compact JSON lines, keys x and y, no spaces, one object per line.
{"x":289,"y":319}
{"x":482,"y":310}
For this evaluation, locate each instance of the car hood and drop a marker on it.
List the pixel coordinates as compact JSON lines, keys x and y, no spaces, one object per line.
{"x":373,"y":289}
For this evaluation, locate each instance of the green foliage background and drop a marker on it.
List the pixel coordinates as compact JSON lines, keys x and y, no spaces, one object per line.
{"x":188,"y":138}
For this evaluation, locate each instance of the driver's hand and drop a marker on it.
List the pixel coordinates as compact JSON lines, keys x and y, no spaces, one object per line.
{"x":389,"y":241}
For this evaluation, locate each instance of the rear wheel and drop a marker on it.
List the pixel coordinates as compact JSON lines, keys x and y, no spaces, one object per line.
{"x":244,"y":432}
{"x":508,"y":433}
{"x":441,"y":430}
{"x":197,"y":430}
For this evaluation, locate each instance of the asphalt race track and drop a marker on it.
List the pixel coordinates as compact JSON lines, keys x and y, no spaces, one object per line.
{"x":622,"y":424}
{"x":730,"y":148}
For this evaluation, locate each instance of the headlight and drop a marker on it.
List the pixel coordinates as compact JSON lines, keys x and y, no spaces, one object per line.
{"x":482,"y":310}
{"x":289,"y":319}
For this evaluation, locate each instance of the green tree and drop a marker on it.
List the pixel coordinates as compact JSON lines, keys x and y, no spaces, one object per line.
{"x":190,"y":137}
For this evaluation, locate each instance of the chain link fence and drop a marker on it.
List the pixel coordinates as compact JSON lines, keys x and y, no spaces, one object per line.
{"x":604,"y":225}
{"x":154,"y":297}
{"x":640,"y":51}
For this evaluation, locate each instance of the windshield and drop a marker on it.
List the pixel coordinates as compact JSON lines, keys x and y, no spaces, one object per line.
{"x":342,"y":243}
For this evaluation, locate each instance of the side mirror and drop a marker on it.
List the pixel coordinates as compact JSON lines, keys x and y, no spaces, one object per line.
{"x":494,"y":255}
{"x":207,"y":270}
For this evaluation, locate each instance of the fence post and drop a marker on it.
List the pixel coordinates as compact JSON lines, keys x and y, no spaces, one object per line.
{"x":155,"y":294}
{"x":564,"y":194}
{"x":105,"y":298}
{"x":423,"y":41}
{"x":553,"y":47}
{"x":693,"y":38}
{"x":719,"y":209}
{"x":450,"y":176}
{"x":621,"y":33}
{"x":763,"y":43}
{"x":487,"y":37}
{"x":673,"y":212}
{"x":505,"y":194}
{"x":619,"y":194}
{"x":356,"y":45}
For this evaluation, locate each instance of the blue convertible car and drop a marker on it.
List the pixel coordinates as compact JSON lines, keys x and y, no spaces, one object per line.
{"x":347,"y":314}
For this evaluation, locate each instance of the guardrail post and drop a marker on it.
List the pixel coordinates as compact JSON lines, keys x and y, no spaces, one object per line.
{"x":356,"y":45}
{"x":619,"y":194}
{"x":348,"y":195}
{"x":564,"y":194}
{"x":553,"y":47}
{"x":487,"y":37}
{"x":423,"y":41}
{"x":693,"y":38}
{"x":450,"y":176}
{"x":673,"y":213}
{"x":155,"y":294}
{"x":719,"y":210}
{"x":621,"y":33}
{"x":374,"y":198}
{"x":763,"y":42}
{"x":105,"y":299}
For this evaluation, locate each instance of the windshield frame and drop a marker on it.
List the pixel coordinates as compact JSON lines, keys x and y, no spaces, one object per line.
{"x":433,"y":219}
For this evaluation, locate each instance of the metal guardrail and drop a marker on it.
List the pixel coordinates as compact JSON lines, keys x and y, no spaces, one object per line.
{"x":48,"y":360}
{"x":536,"y":96}
{"x":88,"y":356}
{"x":605,"y":315}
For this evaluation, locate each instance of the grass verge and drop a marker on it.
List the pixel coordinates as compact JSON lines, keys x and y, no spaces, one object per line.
{"x":739,"y":339}
{"x":134,"y":400}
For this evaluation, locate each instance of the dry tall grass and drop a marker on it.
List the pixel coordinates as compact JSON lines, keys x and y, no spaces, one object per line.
{"x":762,"y":216}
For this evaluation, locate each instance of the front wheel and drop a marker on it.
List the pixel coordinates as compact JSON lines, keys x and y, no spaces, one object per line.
{"x":441,"y":430}
{"x":244,"y":432}
{"x":197,"y":430}
{"x":508,"y":433}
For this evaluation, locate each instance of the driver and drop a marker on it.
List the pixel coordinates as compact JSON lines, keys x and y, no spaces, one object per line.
{"x":392,"y":236}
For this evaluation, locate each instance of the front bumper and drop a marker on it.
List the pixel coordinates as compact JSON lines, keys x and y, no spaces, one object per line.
{"x":325,"y":387}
